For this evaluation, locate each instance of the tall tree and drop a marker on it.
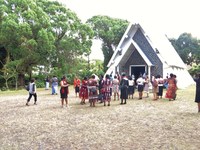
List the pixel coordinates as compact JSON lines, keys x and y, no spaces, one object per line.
{"x":109,"y":31}
{"x":41,"y":32}
{"x":23,"y":26}
{"x":72,"y":37}
{"x":188,"y":48}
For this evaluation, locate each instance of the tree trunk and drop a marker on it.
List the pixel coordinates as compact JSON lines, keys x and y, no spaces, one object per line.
{"x":16,"y":83}
{"x":6,"y":84}
{"x":21,"y":78}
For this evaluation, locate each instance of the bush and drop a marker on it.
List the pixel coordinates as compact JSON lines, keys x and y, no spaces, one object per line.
{"x":40,"y":84}
{"x":4,"y":89}
{"x":194,"y":70}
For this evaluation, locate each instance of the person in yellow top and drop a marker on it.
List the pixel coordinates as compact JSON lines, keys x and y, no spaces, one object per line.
{"x":77,"y":83}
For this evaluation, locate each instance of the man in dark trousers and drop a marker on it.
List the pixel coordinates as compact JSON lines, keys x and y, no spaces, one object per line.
{"x":32,"y":92}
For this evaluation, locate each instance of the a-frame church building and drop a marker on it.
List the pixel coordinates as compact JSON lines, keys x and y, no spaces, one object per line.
{"x":139,"y":53}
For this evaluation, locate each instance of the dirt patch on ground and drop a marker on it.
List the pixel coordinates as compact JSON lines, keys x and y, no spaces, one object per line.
{"x":140,"y":124}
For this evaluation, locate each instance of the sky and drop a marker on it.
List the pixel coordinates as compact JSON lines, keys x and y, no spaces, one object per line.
{"x":170,"y":17}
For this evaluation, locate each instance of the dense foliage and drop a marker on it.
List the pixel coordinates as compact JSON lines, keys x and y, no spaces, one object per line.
{"x":40,"y":38}
{"x":188,"y":48}
{"x":40,"y":33}
{"x":109,"y":31}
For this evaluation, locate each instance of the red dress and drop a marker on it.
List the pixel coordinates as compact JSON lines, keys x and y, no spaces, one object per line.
{"x":84,"y":90}
{"x":171,"y":90}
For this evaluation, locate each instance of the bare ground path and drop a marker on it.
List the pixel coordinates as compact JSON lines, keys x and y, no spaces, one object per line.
{"x":141,"y":124}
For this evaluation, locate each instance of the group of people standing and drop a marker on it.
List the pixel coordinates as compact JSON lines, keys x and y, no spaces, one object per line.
{"x":95,"y":90}
{"x":54,"y":84}
{"x":121,"y":87}
{"x":158,"y":84}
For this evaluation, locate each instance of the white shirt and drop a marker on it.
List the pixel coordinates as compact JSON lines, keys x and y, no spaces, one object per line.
{"x":32,"y":88}
{"x":130,"y":82}
{"x":140,"y":81}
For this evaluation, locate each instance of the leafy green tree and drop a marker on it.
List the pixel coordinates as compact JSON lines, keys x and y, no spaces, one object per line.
{"x":3,"y":56}
{"x":194,"y":70}
{"x":24,"y":34}
{"x":42,"y":32}
{"x":72,"y":38}
{"x":9,"y":71}
{"x":188,"y":48}
{"x":109,"y":31}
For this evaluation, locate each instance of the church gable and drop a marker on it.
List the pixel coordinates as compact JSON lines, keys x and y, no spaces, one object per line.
{"x":153,"y":54}
{"x":147,"y":49}
{"x":135,"y":59}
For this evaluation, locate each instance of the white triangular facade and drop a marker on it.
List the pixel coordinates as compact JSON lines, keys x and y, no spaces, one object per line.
{"x":151,"y":54}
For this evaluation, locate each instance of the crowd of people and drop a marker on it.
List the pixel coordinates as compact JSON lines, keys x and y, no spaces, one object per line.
{"x":102,"y":89}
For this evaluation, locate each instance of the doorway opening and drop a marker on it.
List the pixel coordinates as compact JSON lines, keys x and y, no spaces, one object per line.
{"x":137,"y":71}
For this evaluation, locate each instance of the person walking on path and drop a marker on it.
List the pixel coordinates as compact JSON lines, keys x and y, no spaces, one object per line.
{"x":32,"y":92}
{"x":197,"y":95}
{"x":64,"y":91}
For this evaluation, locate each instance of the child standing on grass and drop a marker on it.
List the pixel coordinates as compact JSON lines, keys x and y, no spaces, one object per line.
{"x":32,"y":92}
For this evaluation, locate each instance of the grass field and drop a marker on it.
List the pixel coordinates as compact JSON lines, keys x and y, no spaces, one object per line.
{"x":138,"y":125}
